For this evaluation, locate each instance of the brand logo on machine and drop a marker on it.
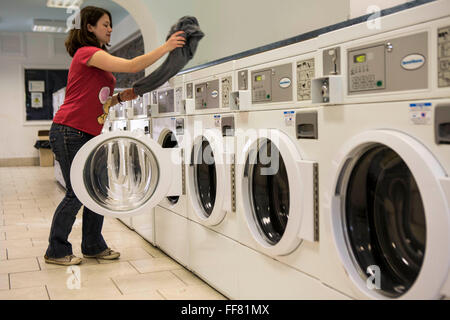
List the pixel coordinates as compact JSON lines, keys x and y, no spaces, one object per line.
{"x":413,"y":61}
{"x":214,"y":94}
{"x":285,"y":83}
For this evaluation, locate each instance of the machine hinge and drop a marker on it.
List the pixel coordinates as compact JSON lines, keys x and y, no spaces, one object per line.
{"x":233,"y":185}
{"x":316,"y":202}
{"x":183,"y":173}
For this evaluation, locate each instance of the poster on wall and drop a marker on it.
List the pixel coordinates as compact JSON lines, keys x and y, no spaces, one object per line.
{"x":36,"y":100}
{"x":36,"y":86}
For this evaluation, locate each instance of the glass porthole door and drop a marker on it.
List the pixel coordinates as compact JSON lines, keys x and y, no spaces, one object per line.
{"x":124,"y":173}
{"x":209,"y":176}
{"x":278,"y":191}
{"x":388,"y":212}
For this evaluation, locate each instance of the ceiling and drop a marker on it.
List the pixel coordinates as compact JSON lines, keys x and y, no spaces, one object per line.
{"x":18,"y":15}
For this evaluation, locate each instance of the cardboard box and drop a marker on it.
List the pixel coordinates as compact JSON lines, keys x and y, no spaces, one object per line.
{"x":45,"y":157}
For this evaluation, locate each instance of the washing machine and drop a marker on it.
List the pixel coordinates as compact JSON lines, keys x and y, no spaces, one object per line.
{"x":210,"y":178}
{"x":277,"y":171}
{"x":139,"y":118}
{"x":385,"y":201}
{"x":169,"y":131}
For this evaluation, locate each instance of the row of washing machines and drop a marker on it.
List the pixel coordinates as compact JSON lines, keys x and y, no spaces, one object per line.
{"x":319,"y":170}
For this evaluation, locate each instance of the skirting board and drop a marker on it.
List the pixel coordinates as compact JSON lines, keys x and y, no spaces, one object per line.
{"x":19,"y":162}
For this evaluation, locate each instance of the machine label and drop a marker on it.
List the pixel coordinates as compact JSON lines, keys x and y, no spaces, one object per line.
{"x":420,"y":113}
{"x":217,"y":120}
{"x":413,"y":62}
{"x":215,"y":94}
{"x":289,"y":117}
{"x":285,"y":83}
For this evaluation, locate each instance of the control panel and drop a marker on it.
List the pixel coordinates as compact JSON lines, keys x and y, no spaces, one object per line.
{"x":189,"y":91}
{"x":367,"y":69}
{"x":392,"y":65}
{"x":166,"y":101}
{"x":305,"y":72}
{"x":444,"y":57}
{"x":207,"y":95}
{"x":243,"y":80}
{"x":226,"y":91}
{"x":272,"y":84}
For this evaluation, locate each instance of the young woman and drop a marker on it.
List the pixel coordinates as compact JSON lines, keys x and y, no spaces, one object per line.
{"x":89,"y":85}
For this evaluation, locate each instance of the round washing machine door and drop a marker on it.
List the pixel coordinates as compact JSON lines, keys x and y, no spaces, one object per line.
{"x":279,"y":193}
{"x":168,"y":140}
{"x":209,"y":177}
{"x":121,"y":174}
{"x":390,"y":216}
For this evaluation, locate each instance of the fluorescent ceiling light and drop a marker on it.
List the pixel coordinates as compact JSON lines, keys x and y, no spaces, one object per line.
{"x":64,"y":3}
{"x":43,"y":25}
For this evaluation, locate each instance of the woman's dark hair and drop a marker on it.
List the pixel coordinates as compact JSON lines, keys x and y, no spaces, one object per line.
{"x":79,"y":36}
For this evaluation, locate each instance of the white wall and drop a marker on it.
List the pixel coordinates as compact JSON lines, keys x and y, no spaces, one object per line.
{"x":234,"y":26}
{"x":17,"y":138}
{"x":122,"y":31}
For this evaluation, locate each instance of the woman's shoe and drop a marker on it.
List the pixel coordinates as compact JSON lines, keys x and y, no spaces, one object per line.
{"x":65,"y":261}
{"x":107,"y":254}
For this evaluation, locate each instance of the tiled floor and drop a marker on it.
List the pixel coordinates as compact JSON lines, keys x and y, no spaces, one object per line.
{"x":28,"y":198}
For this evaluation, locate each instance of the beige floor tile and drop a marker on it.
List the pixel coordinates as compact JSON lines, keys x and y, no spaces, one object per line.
{"x":4,"y":282}
{"x":11,"y":206}
{"x":145,"y":295}
{"x":187,"y":277}
{"x":198,"y":292}
{"x":14,"y":228}
{"x":22,"y":243}
{"x":43,"y":234}
{"x":30,"y":252}
{"x":37,"y":293}
{"x":19,"y":265}
{"x":3,"y":255}
{"x":103,"y":289}
{"x":55,"y":278}
{"x":2,"y":235}
{"x":155,"y":264}
{"x":147,"y":282}
{"x":128,"y":254}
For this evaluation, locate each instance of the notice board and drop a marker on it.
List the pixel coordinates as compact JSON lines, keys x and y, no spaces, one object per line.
{"x":39,"y":87}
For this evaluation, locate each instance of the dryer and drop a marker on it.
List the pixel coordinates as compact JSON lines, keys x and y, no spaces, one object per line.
{"x":386,"y":207}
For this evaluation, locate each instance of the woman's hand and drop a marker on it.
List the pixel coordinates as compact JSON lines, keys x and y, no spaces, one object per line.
{"x":175,"y":41}
{"x":128,"y":94}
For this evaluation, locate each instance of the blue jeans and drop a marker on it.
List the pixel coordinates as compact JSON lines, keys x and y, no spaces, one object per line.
{"x":65,"y":143}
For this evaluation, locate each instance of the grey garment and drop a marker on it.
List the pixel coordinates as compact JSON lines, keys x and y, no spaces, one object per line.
{"x":177,"y":58}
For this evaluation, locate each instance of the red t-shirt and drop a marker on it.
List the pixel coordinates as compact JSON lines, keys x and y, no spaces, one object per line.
{"x":87,"y":90}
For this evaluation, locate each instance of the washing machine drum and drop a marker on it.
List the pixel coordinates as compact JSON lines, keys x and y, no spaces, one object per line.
{"x":205,"y":178}
{"x":385,"y":219}
{"x":269,"y":191}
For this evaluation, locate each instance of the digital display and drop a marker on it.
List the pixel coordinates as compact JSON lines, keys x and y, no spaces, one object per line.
{"x":359,"y":58}
{"x":258,"y":78}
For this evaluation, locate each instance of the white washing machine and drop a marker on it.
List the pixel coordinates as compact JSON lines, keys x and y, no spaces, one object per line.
{"x":139,"y":119}
{"x":386,"y":209}
{"x":209,"y":179}
{"x":278,"y":163}
{"x":169,"y":130}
